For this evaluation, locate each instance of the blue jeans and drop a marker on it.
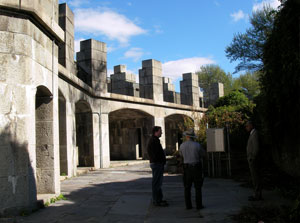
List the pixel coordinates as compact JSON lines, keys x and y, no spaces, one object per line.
{"x":157,"y":180}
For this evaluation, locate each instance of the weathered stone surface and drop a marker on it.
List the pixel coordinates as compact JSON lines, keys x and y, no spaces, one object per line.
{"x":42,"y":101}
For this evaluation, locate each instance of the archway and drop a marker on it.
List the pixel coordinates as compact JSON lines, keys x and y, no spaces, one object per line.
{"x":84,"y":134}
{"x":44,"y":141}
{"x":129,"y":130}
{"x":174,"y":125}
{"x":62,"y":134}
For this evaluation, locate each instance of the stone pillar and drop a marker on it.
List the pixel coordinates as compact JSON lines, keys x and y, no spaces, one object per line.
{"x":104,"y":141}
{"x":92,"y":65}
{"x":150,"y":78}
{"x":66,"y":49}
{"x":189,"y":89}
{"x":72,"y":156}
{"x":169,"y":90}
{"x":122,"y":82}
{"x":96,"y":129}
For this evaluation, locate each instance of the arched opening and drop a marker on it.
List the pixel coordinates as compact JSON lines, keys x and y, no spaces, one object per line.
{"x":62,"y":119}
{"x":129,"y":130}
{"x":174,"y":125}
{"x":84,"y":134}
{"x":44,"y":141}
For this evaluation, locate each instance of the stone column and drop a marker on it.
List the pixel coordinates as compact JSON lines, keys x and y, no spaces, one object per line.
{"x":72,"y":156}
{"x":96,"y":129}
{"x":189,"y":89}
{"x":92,"y":65}
{"x":150,"y":78}
{"x":104,"y":141}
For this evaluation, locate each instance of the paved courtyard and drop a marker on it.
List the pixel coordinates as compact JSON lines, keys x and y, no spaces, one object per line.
{"x":123,"y":194}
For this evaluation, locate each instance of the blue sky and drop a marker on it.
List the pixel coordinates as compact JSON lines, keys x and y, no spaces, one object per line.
{"x":183,"y":34}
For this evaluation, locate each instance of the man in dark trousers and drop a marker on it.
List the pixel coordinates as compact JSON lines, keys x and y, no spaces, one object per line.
{"x":193,"y":155}
{"x":157,"y":159}
{"x":253,"y":161}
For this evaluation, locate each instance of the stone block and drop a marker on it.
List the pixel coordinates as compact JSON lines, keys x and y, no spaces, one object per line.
{"x":6,"y":42}
{"x":4,"y":22}
{"x":6,"y":94}
{"x":167,"y":80}
{"x":87,"y":45}
{"x":151,"y":64}
{"x":10,"y":3}
{"x":190,"y":76}
{"x":65,"y":11}
{"x":119,"y":69}
{"x":22,"y":44}
{"x":44,"y":157}
{"x":45,"y":184}
{"x":18,"y":65}
{"x":90,"y":55}
{"x":44,"y":133}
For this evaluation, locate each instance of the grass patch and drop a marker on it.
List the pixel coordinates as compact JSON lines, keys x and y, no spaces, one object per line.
{"x":54,"y":199}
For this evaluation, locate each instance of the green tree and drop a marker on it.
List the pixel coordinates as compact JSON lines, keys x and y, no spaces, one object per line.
{"x":210,"y":74}
{"x":248,"y":47}
{"x":280,"y":105}
{"x":232,"y":111}
{"x":234,"y":98}
{"x":248,"y":83}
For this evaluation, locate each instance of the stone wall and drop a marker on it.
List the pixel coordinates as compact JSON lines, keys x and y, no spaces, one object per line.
{"x":29,"y":62}
{"x":56,"y":114}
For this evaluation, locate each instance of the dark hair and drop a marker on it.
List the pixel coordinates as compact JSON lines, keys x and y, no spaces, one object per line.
{"x":249,"y":122}
{"x":155,"y":129}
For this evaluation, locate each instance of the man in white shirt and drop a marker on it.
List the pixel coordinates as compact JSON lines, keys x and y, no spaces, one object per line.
{"x":193,"y":155}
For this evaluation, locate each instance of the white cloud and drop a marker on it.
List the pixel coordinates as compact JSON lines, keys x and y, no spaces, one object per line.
{"x":238,"y":15}
{"x":272,"y":3}
{"x":134,"y":53}
{"x":77,"y":45}
{"x":174,"y":69}
{"x":103,"y":21}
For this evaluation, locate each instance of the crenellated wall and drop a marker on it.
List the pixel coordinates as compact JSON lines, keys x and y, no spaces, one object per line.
{"x":58,"y":115}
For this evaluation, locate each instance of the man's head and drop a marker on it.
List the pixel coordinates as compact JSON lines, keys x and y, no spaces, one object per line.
{"x":249,"y":126}
{"x":156,"y":131}
{"x":190,"y":134}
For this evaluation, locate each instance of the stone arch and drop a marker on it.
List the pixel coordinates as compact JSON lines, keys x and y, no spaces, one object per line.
{"x":84,"y":134}
{"x":62,"y":122}
{"x":174,"y":125}
{"x":45,"y":169}
{"x":129,"y":130}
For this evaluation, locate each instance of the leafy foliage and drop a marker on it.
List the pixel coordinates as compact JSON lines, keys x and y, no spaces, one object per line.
{"x":248,"y":83}
{"x":234,"y":98}
{"x":248,"y":47}
{"x":231,"y":111}
{"x":210,"y":74}
{"x":280,"y":105}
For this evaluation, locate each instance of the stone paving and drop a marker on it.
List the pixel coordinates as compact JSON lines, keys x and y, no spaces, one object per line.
{"x":123,"y":194}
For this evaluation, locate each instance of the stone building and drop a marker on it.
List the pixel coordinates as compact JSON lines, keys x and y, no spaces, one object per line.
{"x":57,"y":115}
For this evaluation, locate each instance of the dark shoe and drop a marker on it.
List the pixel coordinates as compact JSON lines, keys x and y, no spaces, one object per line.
{"x":160,"y":204}
{"x":164,"y":201}
{"x":252,"y":198}
{"x":201,"y":207}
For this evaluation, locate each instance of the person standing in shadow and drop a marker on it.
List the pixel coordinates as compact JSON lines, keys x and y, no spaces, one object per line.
{"x":193,"y":155}
{"x":253,"y":161}
{"x":157,"y":159}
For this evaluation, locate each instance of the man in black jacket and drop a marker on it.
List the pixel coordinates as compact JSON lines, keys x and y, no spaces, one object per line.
{"x":157,"y":159}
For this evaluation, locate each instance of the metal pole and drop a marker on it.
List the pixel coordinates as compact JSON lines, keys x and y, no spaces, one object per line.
{"x":229,"y":156}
